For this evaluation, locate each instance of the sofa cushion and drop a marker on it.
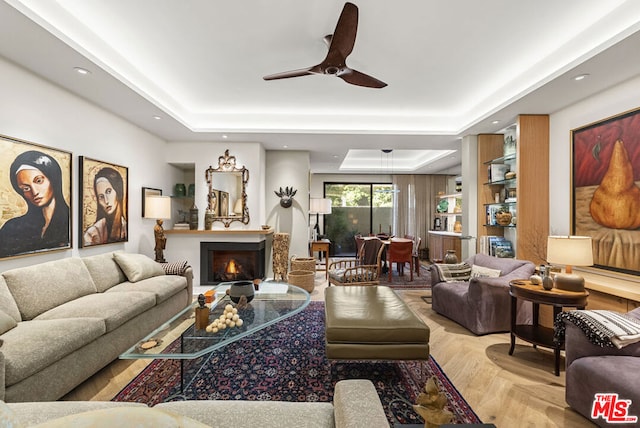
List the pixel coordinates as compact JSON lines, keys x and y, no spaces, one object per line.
{"x":34,"y":345}
{"x":139,"y":417}
{"x":7,"y":302}
{"x":251,"y":414}
{"x":43,"y":286}
{"x":104,"y":270}
{"x":484,"y":272}
{"x":163,"y":287}
{"x":47,"y":410}
{"x":138,"y":266}
{"x":113,"y":308}
{"x":6,"y":322}
{"x":8,"y":418}
{"x":454,"y":272}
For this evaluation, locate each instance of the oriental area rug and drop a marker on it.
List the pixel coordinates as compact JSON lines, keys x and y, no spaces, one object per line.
{"x":286,"y":362}
{"x":402,"y":282}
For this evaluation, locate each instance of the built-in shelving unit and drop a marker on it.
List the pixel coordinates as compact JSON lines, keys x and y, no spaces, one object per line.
{"x":522,"y":150}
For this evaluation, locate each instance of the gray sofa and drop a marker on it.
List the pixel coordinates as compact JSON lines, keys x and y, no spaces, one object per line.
{"x":62,"y":321}
{"x":482,"y":304}
{"x":355,"y":405}
{"x":592,"y":369}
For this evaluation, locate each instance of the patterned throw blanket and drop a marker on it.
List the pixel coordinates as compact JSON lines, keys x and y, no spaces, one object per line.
{"x":454,"y":272}
{"x":602,"y":328}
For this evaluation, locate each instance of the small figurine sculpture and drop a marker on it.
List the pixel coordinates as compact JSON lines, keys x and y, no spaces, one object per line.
{"x":202,"y":313}
{"x":431,"y":404}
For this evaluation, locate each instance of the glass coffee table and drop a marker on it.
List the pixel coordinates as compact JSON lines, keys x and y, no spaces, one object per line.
{"x":178,"y":339}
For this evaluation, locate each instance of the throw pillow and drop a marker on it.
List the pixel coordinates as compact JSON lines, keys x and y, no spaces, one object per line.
{"x":139,"y":417}
{"x":484,"y":272}
{"x":137,"y":266}
{"x":454,"y":272}
{"x":175,"y":268}
{"x":6,"y":322}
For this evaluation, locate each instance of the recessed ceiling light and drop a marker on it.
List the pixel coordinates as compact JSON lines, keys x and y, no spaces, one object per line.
{"x":285,"y":147}
{"x":581,"y":76}
{"x":495,"y":122}
{"x":335,"y":156}
{"x":81,"y":70}
{"x":156,"y":117}
{"x":224,"y":136}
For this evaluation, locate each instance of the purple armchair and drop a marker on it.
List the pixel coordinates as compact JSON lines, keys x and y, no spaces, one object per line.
{"x":592,"y":369}
{"x":482,"y":305}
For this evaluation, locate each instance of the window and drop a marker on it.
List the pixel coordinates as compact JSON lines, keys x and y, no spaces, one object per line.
{"x":357,"y":208}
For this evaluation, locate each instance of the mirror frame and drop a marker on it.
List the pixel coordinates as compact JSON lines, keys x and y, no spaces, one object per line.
{"x":227,"y":164}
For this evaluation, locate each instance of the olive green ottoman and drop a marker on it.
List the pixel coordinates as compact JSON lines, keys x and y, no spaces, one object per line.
{"x":371,"y":322}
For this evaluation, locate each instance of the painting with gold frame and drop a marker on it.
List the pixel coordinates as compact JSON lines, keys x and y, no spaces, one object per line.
{"x":35,"y":198}
{"x":606,"y":190}
{"x":104,"y":213}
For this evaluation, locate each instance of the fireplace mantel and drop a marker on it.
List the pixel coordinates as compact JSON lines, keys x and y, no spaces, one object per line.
{"x":220,"y":232}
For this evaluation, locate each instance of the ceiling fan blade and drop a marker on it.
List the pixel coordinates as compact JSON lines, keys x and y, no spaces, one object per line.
{"x":360,"y":79}
{"x":292,"y":73}
{"x":344,"y":36}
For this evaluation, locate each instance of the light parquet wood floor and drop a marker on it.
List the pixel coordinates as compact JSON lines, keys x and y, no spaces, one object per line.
{"x":509,"y":391}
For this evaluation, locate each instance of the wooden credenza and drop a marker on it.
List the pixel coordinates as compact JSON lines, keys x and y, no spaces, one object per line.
{"x":440,"y":242}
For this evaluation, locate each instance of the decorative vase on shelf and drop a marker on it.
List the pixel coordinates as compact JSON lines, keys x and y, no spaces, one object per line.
{"x":193,"y":217}
{"x":503,"y":217}
{"x":180,"y":190}
{"x":547,"y":281}
{"x":192,"y":190}
{"x":450,"y":257}
{"x":457,"y":226}
{"x":208,"y":219}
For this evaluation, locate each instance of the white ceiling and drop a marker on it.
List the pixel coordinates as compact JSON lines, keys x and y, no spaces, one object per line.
{"x":452,"y":67}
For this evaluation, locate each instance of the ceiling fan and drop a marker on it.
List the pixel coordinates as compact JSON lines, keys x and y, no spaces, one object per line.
{"x":340,"y":46}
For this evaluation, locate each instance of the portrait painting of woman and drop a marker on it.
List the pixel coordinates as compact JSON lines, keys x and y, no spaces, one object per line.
{"x":104,"y":196}
{"x":35,"y":214}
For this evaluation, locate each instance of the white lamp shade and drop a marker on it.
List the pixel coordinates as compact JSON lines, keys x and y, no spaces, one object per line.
{"x":157,"y":207}
{"x":570,"y":250}
{"x":320,"y":206}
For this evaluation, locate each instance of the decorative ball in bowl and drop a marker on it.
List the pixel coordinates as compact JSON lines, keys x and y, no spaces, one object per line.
{"x":265,"y":227}
{"x":241,"y":288}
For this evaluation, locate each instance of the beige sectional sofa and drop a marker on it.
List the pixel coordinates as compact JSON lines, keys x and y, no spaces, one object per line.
{"x":355,"y":405}
{"x":62,"y":321}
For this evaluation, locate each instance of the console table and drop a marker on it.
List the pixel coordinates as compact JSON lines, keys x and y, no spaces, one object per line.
{"x":536,"y":333}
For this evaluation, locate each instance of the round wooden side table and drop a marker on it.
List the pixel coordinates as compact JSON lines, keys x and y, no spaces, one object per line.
{"x":535,"y":333}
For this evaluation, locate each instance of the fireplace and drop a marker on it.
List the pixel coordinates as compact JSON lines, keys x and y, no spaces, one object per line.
{"x":231,"y":261}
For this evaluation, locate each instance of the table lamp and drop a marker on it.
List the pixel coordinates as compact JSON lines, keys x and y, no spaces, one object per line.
{"x":158,"y":207}
{"x":569,"y":251}
{"x":319,"y":206}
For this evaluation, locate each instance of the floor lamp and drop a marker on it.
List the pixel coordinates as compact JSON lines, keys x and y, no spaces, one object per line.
{"x":319,"y":206}
{"x":158,"y":207}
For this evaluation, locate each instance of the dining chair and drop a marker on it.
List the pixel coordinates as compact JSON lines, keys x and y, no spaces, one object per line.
{"x":401,"y":252}
{"x":415,"y":254}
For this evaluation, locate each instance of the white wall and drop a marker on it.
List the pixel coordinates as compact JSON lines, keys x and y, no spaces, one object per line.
{"x":608,"y":103}
{"x":35,"y":110}
{"x":289,"y":169}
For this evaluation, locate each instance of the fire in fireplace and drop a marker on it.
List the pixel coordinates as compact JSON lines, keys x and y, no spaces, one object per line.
{"x":231,"y":261}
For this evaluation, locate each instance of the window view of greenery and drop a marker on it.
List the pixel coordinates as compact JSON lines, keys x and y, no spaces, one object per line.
{"x":362,"y":208}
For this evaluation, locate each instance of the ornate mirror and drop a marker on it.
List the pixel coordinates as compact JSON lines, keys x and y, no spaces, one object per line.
{"x":227,"y":198}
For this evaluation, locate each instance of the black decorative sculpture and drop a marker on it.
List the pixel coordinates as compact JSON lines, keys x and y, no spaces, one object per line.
{"x":286,"y":196}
